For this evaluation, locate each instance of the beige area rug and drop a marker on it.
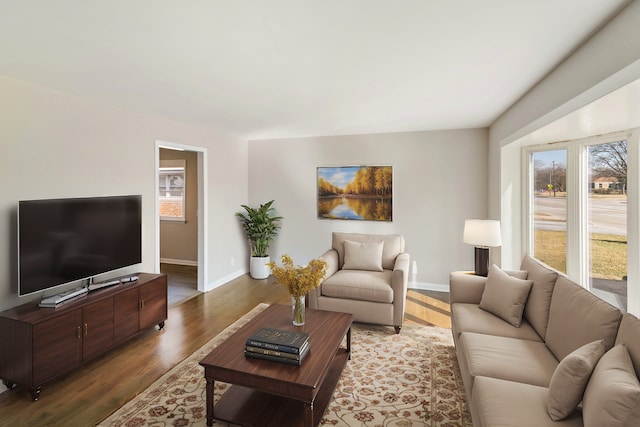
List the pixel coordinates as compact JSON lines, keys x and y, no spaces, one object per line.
{"x":406,"y":380}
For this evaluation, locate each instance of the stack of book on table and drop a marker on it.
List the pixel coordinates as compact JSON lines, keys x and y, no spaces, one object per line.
{"x":278,"y":345}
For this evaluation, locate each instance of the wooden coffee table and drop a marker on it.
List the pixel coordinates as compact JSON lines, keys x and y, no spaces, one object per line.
{"x":265,"y":393}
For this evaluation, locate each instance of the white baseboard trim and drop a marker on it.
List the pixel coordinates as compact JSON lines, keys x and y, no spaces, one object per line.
{"x":438,"y":287}
{"x":226,"y":279}
{"x":178,"y":261}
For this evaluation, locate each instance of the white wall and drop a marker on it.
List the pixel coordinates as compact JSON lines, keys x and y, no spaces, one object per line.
{"x":57,"y":145}
{"x":440,"y":179}
{"x":605,"y":63}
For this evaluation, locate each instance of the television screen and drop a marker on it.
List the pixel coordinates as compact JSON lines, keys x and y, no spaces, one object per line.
{"x":66,"y":240}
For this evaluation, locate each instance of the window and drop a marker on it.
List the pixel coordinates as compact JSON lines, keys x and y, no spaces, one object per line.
{"x":580,"y":203}
{"x":172,"y":179}
{"x":550,"y":208}
{"x":607,"y":220}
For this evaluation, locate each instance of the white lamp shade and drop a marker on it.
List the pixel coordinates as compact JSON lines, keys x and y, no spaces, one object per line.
{"x":482,"y":232}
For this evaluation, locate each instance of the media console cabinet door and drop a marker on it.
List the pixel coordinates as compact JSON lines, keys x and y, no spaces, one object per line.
{"x":153,"y":302}
{"x":125,"y":314}
{"x":57,"y":346}
{"x":97,"y":328}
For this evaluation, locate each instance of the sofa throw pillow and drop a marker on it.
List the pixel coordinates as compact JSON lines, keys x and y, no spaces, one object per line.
{"x":505,"y":296}
{"x":570,"y":378}
{"x":612,"y":397}
{"x":362,"y":256}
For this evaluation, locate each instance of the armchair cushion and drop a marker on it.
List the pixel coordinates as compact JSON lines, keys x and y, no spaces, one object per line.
{"x":393,"y":246}
{"x":363,"y":256}
{"x":360,"y":285}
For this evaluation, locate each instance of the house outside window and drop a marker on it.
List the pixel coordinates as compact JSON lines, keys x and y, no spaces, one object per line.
{"x":172,"y":177}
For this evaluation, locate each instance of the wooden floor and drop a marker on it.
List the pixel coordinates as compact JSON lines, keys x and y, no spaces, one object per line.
{"x":183,"y":281}
{"x":90,"y":394}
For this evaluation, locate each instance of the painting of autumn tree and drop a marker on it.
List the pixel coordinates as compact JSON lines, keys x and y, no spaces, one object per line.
{"x":355,"y":193}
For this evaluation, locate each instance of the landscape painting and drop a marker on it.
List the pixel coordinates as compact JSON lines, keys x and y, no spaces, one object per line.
{"x":355,"y":193}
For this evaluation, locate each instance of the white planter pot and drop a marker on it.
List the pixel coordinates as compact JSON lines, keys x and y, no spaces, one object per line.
{"x":258,"y":268}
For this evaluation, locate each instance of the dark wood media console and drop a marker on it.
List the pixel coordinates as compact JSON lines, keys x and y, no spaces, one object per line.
{"x":38,"y":344}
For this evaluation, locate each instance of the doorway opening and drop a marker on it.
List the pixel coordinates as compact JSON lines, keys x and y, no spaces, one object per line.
{"x":181,"y":218}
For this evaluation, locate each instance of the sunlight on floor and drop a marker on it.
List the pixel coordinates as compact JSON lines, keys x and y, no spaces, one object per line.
{"x":423,"y":309}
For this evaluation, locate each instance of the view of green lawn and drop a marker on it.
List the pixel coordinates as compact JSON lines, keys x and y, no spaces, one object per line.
{"x":608,"y":253}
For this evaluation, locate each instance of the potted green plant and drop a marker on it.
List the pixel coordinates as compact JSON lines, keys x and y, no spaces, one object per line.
{"x":261,"y":226}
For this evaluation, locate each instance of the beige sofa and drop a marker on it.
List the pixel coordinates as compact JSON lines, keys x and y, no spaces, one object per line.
{"x":536,"y":349}
{"x":367,"y":276}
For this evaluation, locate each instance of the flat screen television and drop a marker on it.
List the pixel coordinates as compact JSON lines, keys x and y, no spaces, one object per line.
{"x":66,"y":240}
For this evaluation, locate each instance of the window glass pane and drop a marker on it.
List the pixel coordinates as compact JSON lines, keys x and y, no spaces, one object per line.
{"x":171,"y":179}
{"x":607,"y":226}
{"x":550,"y":208}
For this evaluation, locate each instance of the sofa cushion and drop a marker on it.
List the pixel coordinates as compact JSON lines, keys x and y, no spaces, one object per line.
{"x":500,"y":403}
{"x":510,"y":359}
{"x":538,"y":304}
{"x":393,"y":245}
{"x":570,"y":379}
{"x":471,"y":318}
{"x":578,"y":317}
{"x":360,"y":285}
{"x":612,"y":397}
{"x":363,"y":256}
{"x":505,"y":296}
{"x":628,"y":335}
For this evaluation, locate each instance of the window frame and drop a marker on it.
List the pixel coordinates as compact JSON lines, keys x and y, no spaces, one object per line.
{"x":578,"y":246}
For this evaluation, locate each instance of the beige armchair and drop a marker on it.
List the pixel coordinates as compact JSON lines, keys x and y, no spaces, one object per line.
{"x":367,"y":277}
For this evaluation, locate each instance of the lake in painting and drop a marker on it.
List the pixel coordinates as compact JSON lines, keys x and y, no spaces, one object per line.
{"x":355,"y":193}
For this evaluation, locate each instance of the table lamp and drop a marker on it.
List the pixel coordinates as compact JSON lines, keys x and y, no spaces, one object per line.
{"x":483,"y":234}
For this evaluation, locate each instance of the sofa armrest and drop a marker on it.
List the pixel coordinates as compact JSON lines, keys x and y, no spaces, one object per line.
{"x":465,"y":287}
{"x":399,"y":282}
{"x":331,"y":258}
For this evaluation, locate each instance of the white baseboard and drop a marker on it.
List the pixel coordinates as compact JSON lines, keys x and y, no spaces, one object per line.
{"x":438,"y":287}
{"x":179,"y":262}
{"x":226,"y":279}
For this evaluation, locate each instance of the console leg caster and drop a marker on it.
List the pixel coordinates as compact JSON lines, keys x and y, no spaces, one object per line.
{"x":35,"y":393}
{"x":161,"y":325}
{"x":8,"y":384}
{"x":397,"y":328}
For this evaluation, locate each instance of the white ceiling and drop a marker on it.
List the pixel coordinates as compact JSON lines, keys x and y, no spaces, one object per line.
{"x":286,"y":68}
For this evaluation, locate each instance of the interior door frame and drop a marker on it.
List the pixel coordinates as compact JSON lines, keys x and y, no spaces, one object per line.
{"x":202,"y":207}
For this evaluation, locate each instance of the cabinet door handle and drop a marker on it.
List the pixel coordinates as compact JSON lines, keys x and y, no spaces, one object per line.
{"x":78,"y":332}
{"x":86,"y":329}
{"x":141,"y":304}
